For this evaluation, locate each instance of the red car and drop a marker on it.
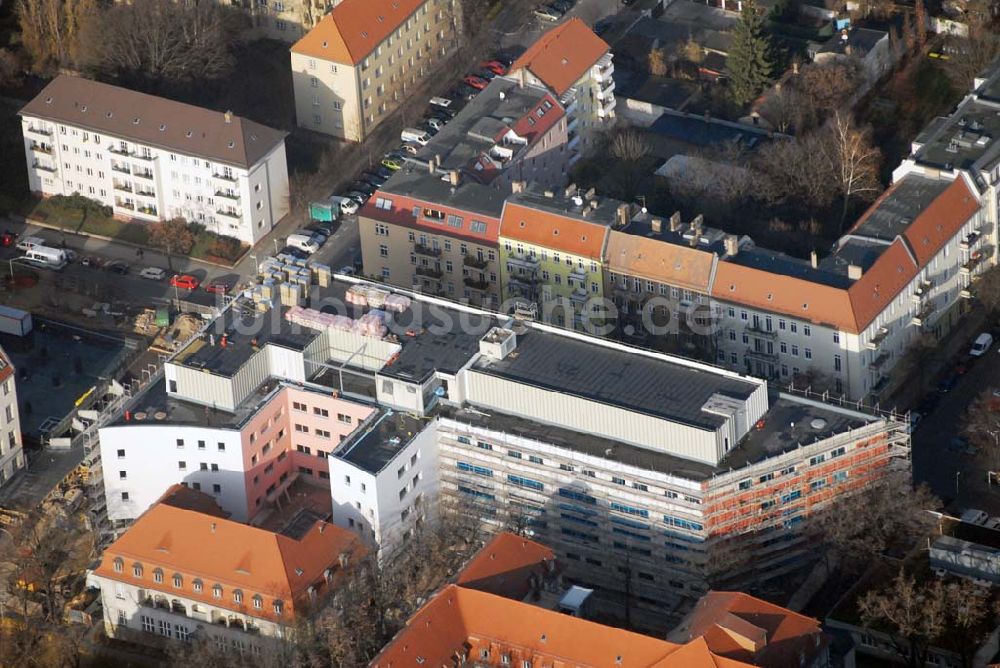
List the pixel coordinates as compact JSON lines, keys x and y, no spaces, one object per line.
{"x":184,"y":281}
{"x":478,"y":83}
{"x":7,"y":239}
{"x":494,"y":66}
{"x":217,"y":288}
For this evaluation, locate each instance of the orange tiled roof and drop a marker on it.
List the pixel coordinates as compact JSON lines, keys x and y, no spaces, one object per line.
{"x":853,"y":309}
{"x":652,"y":259}
{"x":552,"y":230}
{"x":181,"y":496}
{"x":457,"y":616}
{"x":504,"y":565}
{"x":354,"y":28}
{"x":744,"y":628}
{"x":6,"y":368}
{"x":234,"y":555}
{"x":561,"y":57}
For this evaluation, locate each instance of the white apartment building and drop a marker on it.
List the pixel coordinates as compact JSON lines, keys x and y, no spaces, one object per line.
{"x":356,"y":65}
{"x":184,"y":570}
{"x":151,"y":159}
{"x":11,"y":450}
{"x":577,"y":67}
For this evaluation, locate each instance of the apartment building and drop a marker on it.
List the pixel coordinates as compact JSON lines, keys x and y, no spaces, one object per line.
{"x":509,"y":607}
{"x":576,"y":66}
{"x":552,"y":252}
{"x":184,"y":570}
{"x":245,"y":458}
{"x":11,"y":445}
{"x":149,"y":158}
{"x":357,"y":64}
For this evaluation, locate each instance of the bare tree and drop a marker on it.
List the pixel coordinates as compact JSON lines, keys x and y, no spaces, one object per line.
{"x":157,"y":42}
{"x":50,"y":30}
{"x":10,"y":68}
{"x":628,"y":147}
{"x":970,"y":55}
{"x":913,"y":615}
{"x":173,"y":236}
{"x":827,"y":87}
{"x":657,"y":62}
{"x":982,"y":426}
{"x":783,"y":108}
{"x":855,"y":160}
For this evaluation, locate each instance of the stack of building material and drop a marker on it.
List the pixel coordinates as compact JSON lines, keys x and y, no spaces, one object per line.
{"x":372,"y":324}
{"x":396,"y":303}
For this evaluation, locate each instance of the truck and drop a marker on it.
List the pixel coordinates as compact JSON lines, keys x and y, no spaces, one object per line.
{"x":324,"y":212}
{"x":46,"y":258}
{"x":14,"y":321}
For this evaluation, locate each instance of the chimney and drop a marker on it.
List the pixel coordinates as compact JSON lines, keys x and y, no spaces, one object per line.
{"x":453,"y":177}
{"x":520,"y":78}
{"x":517,"y":186}
{"x":322,"y":525}
{"x":437,"y":160}
{"x":549,"y":194}
{"x":228,"y":116}
{"x":814,"y":259}
{"x":657,"y":225}
{"x":570,"y":190}
{"x":697,"y":222}
{"x":695,"y":237}
{"x":594,"y":204}
{"x":213,"y":527}
{"x":589,"y":194}
{"x":854,"y":272}
{"x":732,"y":245}
{"x":675,"y":221}
{"x":622,"y":215}
{"x":431,"y":166}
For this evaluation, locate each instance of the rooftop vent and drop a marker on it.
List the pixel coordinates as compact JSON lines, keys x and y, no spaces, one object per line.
{"x":497,"y":343}
{"x":818,"y":424}
{"x":135,"y":121}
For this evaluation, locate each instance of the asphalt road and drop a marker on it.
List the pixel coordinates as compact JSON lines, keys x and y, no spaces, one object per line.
{"x":956,"y":477}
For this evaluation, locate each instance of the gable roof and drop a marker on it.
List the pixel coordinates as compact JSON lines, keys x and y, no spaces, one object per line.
{"x":181,"y":496}
{"x":652,"y":259}
{"x":505,"y":566}
{"x":744,"y":628}
{"x":561,"y":57}
{"x":354,"y":28}
{"x":152,"y":120}
{"x":237,"y":556}
{"x":940,"y":221}
{"x":552,"y":230}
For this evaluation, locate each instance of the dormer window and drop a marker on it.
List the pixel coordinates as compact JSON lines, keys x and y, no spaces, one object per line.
{"x":197,"y":584}
{"x":258,"y":602}
{"x":158,"y":575}
{"x":279,"y":607}
{"x":137,"y":570}
{"x":217,"y":591}
{"x":237,"y":596}
{"x":178,"y":580}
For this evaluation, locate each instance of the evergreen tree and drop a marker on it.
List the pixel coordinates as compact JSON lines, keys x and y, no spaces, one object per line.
{"x":749,"y":64}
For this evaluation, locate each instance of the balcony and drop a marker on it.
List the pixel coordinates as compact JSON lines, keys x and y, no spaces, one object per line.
{"x":43,"y":167}
{"x":123,"y":187}
{"x":523,"y":261}
{"x":579,"y":296}
{"x":121,"y":169}
{"x":965,"y":293}
{"x":41,"y":148}
{"x":763,"y":355}
{"x":971,"y":264}
{"x":606,"y":108}
{"x":605,"y":67}
{"x":969,"y":240}
{"x":921,"y":316}
{"x":879,"y":362}
{"x":34,"y":129}
{"x":420,"y":249}
{"x":572,"y":140}
{"x":147,"y":210}
{"x":228,"y":213}
{"x":758,"y":331}
{"x":475,"y":284}
{"x":876,"y":340}
{"x":475,"y":262}
{"x":225,"y":177}
{"x":145,"y":174}
{"x":143,"y":155}
{"x":607,"y":91}
{"x":145,"y":193}
{"x":922,"y":292}
{"x":124,"y":205}
{"x":118,"y":150}
{"x":430,"y":272}
{"x":227,"y":194}
{"x":880,"y":384}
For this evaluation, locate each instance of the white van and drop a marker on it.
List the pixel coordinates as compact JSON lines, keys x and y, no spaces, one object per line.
{"x":414,"y":135}
{"x":982,"y":345}
{"x":302,"y":242}
{"x":27,"y":243}
{"x":47,"y":258}
{"x":442,"y":102}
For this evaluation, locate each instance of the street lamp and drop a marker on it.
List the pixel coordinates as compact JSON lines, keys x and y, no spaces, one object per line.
{"x":11,"y":262}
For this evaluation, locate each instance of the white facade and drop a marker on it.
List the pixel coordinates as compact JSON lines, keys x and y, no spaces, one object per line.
{"x":384,"y":506}
{"x":150,"y":183}
{"x":132,"y":612}
{"x":141,"y":461}
{"x":11,"y":452}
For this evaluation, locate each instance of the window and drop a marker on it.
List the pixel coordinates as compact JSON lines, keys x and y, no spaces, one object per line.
{"x":258,"y":602}
{"x":808,"y":353}
{"x":535,"y":460}
{"x":124,"y":496}
{"x":217,"y":591}
{"x":514,"y":453}
{"x":197,"y":585}
{"x":180,"y":442}
{"x":836,"y":337}
{"x":818,"y":459}
{"x":525,"y":482}
{"x":383,"y":203}
{"x":182,"y":466}
{"x":178,"y":580}
{"x":157,"y":575}
{"x":237,"y":596}
{"x":122,"y":475}
{"x":222,"y":447}
{"x":618,"y":481}
{"x":201,"y":445}
{"x":806,"y":331}
{"x":119,"y":564}
{"x":137,"y":570}
{"x":217,"y":489}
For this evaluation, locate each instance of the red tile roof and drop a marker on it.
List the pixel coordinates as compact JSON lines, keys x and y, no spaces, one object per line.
{"x":941,"y":221}
{"x":354,"y":28}
{"x":233,"y":555}
{"x":552,"y":230}
{"x":561,"y":57}
{"x":506,"y":565}
{"x":400,"y":212}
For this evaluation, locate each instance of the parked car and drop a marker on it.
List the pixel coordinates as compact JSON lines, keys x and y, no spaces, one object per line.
{"x":184,"y":281}
{"x":317,"y":230}
{"x":473,"y":81}
{"x":436,"y":123}
{"x":346,"y":270}
{"x":562,"y":5}
{"x":348,"y":206}
{"x":440,"y":102}
{"x":414,"y":136}
{"x":294,"y":252}
{"x":409,"y":149}
{"x":494,"y":66}
{"x":363,"y":187}
{"x":360,"y":198}
{"x":947,"y":384}
{"x":153,"y":273}
{"x":975,"y":516}
{"x":484,"y":73}
{"x":382,"y":172}
{"x":8,"y":238}
{"x":428,"y":128}
{"x":602,"y":26}
{"x":392,"y":162}
{"x":217,"y":288}
{"x":117,"y":267}
{"x":548,"y":13}
{"x":91,"y":261}
{"x":444,"y":115}
{"x":71,"y":255}
{"x":373,"y":178}
{"x":961,"y":446}
{"x":981,"y":345}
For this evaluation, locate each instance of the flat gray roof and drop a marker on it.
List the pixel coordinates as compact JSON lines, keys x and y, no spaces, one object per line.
{"x":629,"y":380}
{"x":967,"y":138}
{"x":562,"y":204}
{"x":415,"y":180}
{"x":380,"y":442}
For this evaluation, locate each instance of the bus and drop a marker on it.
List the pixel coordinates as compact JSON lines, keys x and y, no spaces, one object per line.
{"x":46,"y":258}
